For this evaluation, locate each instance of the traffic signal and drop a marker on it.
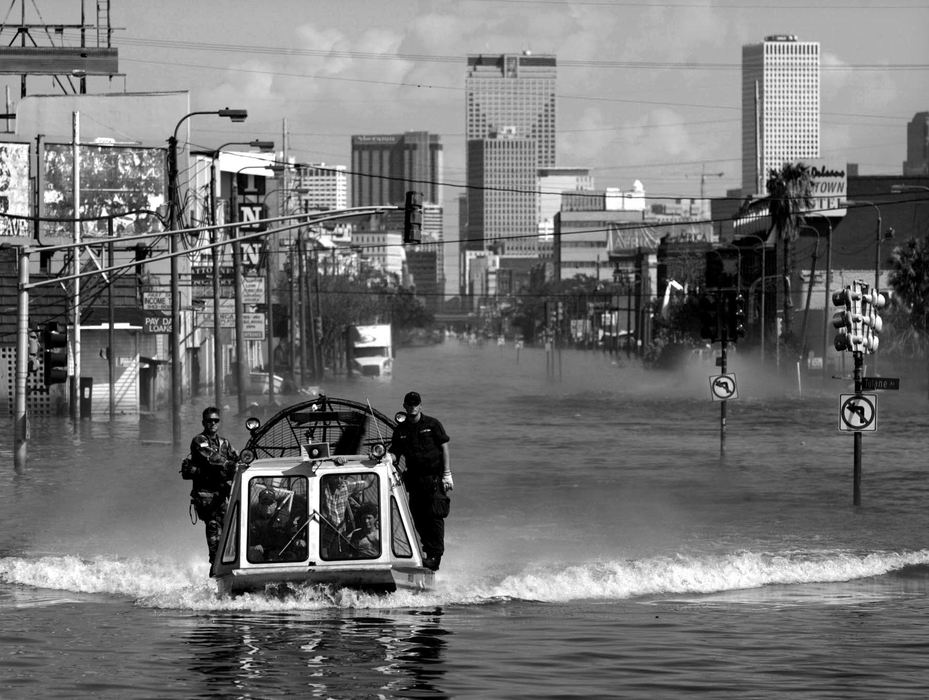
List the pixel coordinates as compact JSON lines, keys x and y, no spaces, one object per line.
{"x":856,"y":295}
{"x":848,"y":320}
{"x":736,"y":317}
{"x":318,"y":327}
{"x":33,"y":360}
{"x":413,"y":217}
{"x":871,"y":320}
{"x":55,"y":353}
{"x":709,"y":318}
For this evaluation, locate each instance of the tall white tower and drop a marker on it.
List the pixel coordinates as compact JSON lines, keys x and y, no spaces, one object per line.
{"x":780,"y":107}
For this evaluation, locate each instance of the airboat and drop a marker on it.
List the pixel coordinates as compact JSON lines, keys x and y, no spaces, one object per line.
{"x":316,"y":499}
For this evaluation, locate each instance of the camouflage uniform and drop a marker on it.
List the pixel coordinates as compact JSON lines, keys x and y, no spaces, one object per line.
{"x":214,"y":461}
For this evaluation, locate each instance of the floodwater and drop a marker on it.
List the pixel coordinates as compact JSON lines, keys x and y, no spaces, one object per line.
{"x":598,"y":546}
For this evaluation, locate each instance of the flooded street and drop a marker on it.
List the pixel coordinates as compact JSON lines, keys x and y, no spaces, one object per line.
{"x":596,"y":542}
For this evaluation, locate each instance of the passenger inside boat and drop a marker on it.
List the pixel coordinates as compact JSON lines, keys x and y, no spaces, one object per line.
{"x":366,"y":538}
{"x":276,"y":522}
{"x":341,"y":497}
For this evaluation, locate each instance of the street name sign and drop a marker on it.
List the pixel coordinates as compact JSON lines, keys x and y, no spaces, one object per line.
{"x":876,"y":383}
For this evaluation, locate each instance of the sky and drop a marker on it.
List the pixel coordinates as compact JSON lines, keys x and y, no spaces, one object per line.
{"x":646,"y":90}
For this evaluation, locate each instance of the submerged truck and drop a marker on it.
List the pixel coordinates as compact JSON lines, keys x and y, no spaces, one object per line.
{"x":371,"y":347}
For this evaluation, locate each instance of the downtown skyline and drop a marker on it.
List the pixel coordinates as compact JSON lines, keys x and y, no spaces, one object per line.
{"x":648,"y":91}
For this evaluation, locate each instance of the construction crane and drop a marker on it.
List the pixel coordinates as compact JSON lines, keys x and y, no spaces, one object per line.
{"x":703,"y":176}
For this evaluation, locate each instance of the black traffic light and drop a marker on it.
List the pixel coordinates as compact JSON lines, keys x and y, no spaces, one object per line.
{"x":842,"y":320}
{"x":55,"y":353}
{"x":709,"y":318}
{"x":413,"y":217}
{"x":848,"y":320}
{"x":736,"y":317}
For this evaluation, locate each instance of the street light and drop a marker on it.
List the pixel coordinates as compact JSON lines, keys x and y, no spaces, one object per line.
{"x":897,"y":189}
{"x":827,"y":295}
{"x":236,"y":115}
{"x":809,"y":290}
{"x":263,"y":146}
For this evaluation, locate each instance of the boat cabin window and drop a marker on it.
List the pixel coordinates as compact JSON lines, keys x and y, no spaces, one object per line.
{"x":350,"y":519}
{"x":277,"y":519}
{"x":230,"y":549}
{"x":399,"y":540}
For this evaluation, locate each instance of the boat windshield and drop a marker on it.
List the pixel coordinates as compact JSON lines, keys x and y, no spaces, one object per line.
{"x":371,"y":352}
{"x":277,"y":519}
{"x":350,"y":519}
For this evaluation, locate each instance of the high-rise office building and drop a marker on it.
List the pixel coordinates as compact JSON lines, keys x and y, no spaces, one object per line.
{"x":780,"y":107}
{"x":502,"y":195}
{"x":516,"y":93}
{"x":385,"y":166}
{"x":917,"y":145}
{"x":510,"y":133}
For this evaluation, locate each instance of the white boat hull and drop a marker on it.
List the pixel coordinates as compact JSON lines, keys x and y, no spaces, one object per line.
{"x":307,"y":508}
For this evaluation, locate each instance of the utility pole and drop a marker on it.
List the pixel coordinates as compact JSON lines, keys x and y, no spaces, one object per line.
{"x":241,"y":360}
{"x":21,"y":420}
{"x":217,"y":325}
{"x":74,"y":392}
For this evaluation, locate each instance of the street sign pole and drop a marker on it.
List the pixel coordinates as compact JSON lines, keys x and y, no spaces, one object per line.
{"x":856,"y":473}
{"x":722,"y":405}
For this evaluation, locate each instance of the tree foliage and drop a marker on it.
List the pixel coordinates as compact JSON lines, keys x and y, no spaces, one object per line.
{"x":909,"y":310}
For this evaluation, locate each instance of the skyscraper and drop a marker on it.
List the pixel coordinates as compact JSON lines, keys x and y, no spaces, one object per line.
{"x":514,"y":92}
{"x":384,"y":167}
{"x":510,"y":132}
{"x":917,"y":145}
{"x":502,"y":195}
{"x":780,"y":106}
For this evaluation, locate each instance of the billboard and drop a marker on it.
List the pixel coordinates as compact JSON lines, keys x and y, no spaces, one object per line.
{"x":14,"y":190}
{"x":113,"y":179}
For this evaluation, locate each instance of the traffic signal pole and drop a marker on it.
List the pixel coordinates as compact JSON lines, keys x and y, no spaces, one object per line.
{"x":858,"y":325}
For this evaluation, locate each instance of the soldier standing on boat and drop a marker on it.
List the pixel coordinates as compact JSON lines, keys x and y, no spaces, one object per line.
{"x":212,"y":462}
{"x":423,"y":442}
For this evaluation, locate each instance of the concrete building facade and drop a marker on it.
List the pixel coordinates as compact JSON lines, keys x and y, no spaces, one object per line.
{"x":321,"y":186}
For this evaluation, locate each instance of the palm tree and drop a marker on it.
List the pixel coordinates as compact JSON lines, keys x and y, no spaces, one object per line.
{"x":790,"y":193}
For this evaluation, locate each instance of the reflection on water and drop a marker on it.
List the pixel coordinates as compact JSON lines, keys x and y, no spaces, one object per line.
{"x":341,"y":655}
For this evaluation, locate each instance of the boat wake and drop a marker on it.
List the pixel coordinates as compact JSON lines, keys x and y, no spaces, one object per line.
{"x":159,"y":583}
